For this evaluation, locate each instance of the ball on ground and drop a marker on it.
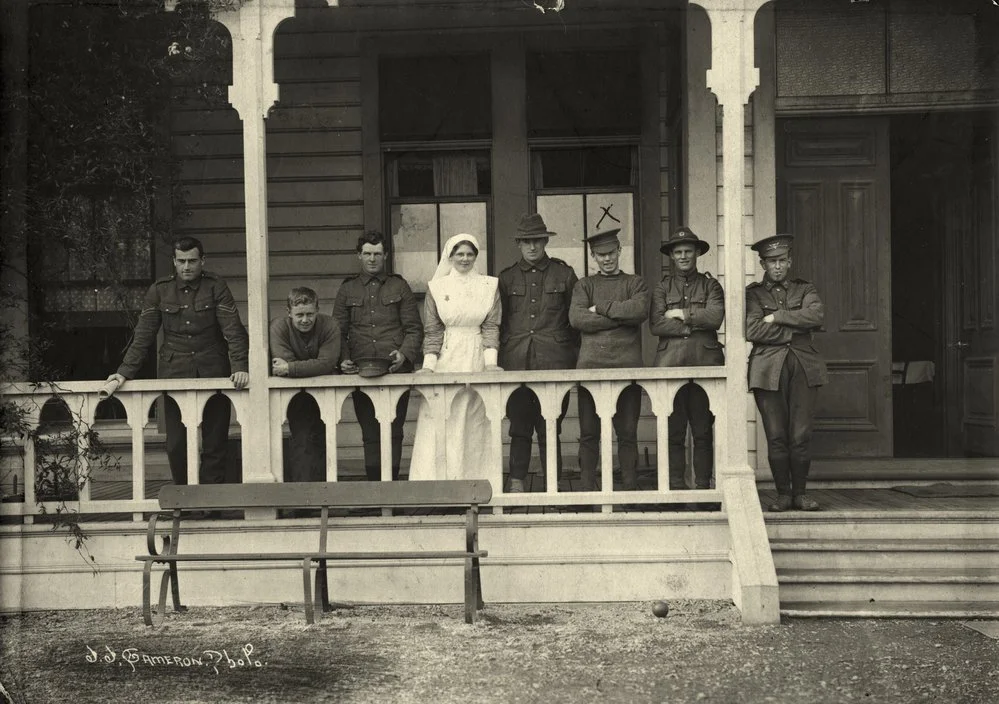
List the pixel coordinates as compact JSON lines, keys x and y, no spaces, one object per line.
{"x":660,"y":609}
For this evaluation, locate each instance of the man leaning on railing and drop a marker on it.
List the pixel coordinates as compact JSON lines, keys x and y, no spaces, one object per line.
{"x":380,"y":331}
{"x":688,"y":307}
{"x":608,"y":308}
{"x":305,"y":343}
{"x":534,"y":334}
{"x":203,"y":337}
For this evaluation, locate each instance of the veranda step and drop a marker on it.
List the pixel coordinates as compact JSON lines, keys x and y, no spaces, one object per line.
{"x":901,"y":525}
{"x":893,"y":553}
{"x":831,"y":585}
{"x":891,"y":609}
{"x":922,"y":575}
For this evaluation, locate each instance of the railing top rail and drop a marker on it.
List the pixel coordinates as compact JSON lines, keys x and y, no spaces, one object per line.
{"x":638,"y":374}
{"x":25,"y":388}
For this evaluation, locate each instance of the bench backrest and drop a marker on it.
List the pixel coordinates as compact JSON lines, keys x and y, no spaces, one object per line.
{"x":457,"y":492}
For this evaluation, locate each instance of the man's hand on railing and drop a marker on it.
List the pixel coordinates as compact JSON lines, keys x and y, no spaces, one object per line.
{"x":398,"y":359}
{"x":240,"y":380}
{"x":424,"y":370}
{"x":279,"y":367}
{"x":347,"y":366}
{"x":113,"y":382}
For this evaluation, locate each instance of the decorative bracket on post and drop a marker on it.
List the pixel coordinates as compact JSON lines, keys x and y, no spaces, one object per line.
{"x":251,"y":24}
{"x":733,"y":75}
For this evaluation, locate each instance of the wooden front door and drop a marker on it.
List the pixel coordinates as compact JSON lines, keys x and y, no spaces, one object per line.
{"x":971,"y":251}
{"x":833,"y":195}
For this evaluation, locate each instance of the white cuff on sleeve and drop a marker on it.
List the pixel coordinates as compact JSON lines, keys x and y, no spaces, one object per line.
{"x":430,"y":361}
{"x":490,"y":356}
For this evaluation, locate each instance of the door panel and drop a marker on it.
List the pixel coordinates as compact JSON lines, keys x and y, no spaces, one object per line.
{"x":833,"y":196}
{"x":971,"y":352}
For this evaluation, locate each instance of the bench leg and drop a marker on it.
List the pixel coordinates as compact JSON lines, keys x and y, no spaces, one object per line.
{"x":168,"y":581}
{"x":478,"y":584}
{"x":147,"y":607}
{"x":310,"y":616}
{"x":470,"y":593}
{"x":322,"y":589}
{"x":175,"y":588}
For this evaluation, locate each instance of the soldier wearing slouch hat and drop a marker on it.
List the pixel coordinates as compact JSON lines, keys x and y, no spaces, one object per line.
{"x":535,"y":333}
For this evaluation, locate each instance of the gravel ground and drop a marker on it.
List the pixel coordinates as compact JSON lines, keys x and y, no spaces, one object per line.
{"x":516,"y":653}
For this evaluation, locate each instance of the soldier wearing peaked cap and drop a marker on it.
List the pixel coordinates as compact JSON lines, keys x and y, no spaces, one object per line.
{"x":534,"y":334}
{"x":608,"y":308}
{"x":687,"y":309}
{"x":203,"y":336}
{"x":784,"y":367}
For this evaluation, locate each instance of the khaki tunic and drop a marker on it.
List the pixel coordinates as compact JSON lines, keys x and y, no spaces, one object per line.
{"x":693,"y":341}
{"x":378,"y":314}
{"x":798,"y":311}
{"x":202,"y":333}
{"x":535,"y":332}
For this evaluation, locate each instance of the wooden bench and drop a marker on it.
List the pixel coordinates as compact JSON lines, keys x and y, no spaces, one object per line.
{"x":176,"y":500}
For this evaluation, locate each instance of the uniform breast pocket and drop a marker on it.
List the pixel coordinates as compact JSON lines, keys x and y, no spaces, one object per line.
{"x":204,"y":315}
{"x":171,"y":317}
{"x":391,"y":298}
{"x":794,"y":303}
{"x":356,"y":307}
{"x":555,"y":295}
{"x":516,"y":297}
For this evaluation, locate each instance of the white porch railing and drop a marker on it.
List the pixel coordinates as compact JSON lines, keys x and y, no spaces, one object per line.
{"x":331,"y":393}
{"x":754,"y":581}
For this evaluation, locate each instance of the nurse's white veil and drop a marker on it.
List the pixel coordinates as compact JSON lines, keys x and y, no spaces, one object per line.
{"x":444,"y":265}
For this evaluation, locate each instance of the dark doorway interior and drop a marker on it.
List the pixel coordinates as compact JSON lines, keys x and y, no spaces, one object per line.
{"x":932,"y":163}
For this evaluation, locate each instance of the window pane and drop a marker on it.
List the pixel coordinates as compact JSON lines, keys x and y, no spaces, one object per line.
{"x":414,"y":243}
{"x":564,"y":216}
{"x":470,"y":218}
{"x":434,"y":174}
{"x":597,"y":167}
{"x":583,"y":93}
{"x":572,"y":215}
{"x":435,"y":97}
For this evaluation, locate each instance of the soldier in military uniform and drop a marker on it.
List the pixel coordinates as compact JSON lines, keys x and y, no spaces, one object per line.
{"x":608,"y":308}
{"x":203,"y":337}
{"x":535,"y":293}
{"x":379,"y":319}
{"x":785,"y":370}
{"x":687,"y":309}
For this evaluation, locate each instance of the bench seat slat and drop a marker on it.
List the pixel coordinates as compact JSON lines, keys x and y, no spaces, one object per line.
{"x":223,"y":557}
{"x":333,"y":494}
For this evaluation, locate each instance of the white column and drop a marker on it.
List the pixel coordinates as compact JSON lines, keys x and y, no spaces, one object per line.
{"x":253,"y":92}
{"x":732,"y":77}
